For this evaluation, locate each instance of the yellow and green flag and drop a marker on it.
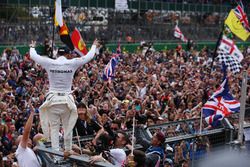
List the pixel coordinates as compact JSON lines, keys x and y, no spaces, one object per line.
{"x":236,"y":26}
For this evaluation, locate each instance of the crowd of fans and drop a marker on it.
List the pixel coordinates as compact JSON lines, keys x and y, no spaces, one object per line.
{"x":157,"y":87}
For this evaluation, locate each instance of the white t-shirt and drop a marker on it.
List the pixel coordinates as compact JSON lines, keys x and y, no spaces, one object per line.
{"x":118,"y":156}
{"x":26,"y":157}
{"x":61,"y":71}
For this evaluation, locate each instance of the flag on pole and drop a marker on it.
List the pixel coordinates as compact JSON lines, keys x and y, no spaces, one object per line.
{"x":241,"y":15}
{"x":65,"y":37}
{"x":228,"y":46}
{"x":78,"y":42}
{"x":179,"y":34}
{"x":58,"y":13}
{"x":236,"y":26}
{"x":232,"y":64}
{"x":63,"y":29}
{"x":230,"y":55}
{"x":220,"y":104}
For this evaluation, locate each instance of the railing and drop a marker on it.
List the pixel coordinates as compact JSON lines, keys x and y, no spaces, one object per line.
{"x":131,"y":48}
{"x":216,"y":138}
{"x":24,"y":33}
{"x":116,"y":26}
{"x":83,"y":160}
{"x":138,"y":5}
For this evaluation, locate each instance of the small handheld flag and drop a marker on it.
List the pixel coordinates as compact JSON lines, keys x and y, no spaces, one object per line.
{"x":179,"y":34}
{"x":109,"y":70}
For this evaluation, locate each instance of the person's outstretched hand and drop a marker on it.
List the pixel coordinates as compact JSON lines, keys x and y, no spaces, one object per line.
{"x":32,"y":44}
{"x":97,"y":43}
{"x":32,"y":109}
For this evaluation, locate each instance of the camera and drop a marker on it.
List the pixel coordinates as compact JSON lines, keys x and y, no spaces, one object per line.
{"x":103,"y":143}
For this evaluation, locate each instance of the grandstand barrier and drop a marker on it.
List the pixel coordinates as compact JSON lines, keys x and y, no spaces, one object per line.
{"x":217,"y":138}
{"x":133,"y":5}
{"x":132,"y":47}
{"x":83,"y":160}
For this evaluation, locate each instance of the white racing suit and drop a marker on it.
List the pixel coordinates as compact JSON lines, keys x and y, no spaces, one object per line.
{"x":59,"y":106}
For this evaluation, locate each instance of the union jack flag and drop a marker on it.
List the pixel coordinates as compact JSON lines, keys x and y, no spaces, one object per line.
{"x":241,"y":15}
{"x":220,"y":105}
{"x":109,"y":70}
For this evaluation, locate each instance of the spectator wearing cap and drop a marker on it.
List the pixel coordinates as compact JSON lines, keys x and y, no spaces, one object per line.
{"x":157,"y":142}
{"x":153,"y":147}
{"x":59,"y":106}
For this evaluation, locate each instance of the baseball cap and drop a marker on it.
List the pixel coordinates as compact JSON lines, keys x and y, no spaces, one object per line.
{"x":160,"y":136}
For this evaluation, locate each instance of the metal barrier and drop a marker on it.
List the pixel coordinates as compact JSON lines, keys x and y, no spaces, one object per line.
{"x":132,"y":4}
{"x":131,"y":48}
{"x":14,"y":34}
{"x":136,"y":26}
{"x":18,"y":19}
{"x":82,"y":160}
{"x":195,"y":145}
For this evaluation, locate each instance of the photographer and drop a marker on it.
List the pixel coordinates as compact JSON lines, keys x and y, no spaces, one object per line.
{"x":113,"y":153}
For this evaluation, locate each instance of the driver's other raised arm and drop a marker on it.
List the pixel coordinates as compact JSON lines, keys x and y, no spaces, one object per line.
{"x":39,"y":59}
